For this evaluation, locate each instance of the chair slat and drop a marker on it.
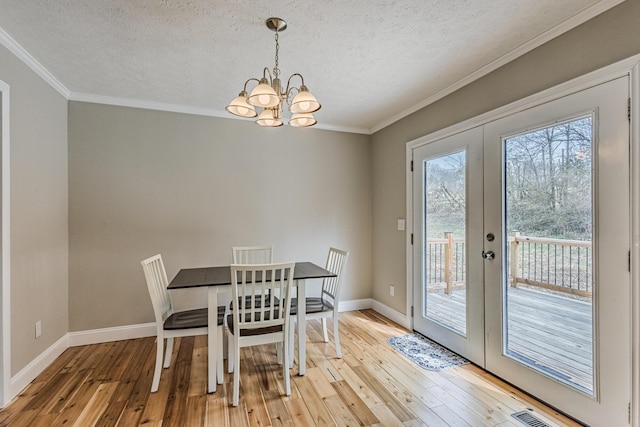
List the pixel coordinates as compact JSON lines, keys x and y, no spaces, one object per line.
{"x":252,"y":254}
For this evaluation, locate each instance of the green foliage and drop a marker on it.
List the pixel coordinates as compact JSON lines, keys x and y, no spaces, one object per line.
{"x":445,"y":195}
{"x":547,"y":184}
{"x":548,"y":181}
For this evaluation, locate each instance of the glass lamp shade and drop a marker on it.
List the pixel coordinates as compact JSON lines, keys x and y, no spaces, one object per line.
{"x":267,"y":119}
{"x":302,"y":120}
{"x":240,"y":107}
{"x":264,"y":95}
{"x":304,"y":102}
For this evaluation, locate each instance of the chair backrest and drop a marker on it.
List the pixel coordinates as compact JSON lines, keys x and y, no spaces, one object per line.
{"x":157,"y":283}
{"x":253,"y":254}
{"x":254,"y":287}
{"x":336,"y":263}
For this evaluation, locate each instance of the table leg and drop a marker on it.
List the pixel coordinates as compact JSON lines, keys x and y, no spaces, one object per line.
{"x":212,"y":337}
{"x":302,"y":329}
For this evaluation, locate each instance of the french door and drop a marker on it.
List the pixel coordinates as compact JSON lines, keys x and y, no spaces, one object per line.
{"x":521,"y":250}
{"x":448,"y":183}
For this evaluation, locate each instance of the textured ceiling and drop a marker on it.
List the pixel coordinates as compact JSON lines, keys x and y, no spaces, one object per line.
{"x":369,"y":62}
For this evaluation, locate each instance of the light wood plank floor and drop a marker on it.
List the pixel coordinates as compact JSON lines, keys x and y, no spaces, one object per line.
{"x":372,"y":385}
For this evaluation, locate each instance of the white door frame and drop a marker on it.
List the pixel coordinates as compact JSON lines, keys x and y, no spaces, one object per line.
{"x":5,"y":251}
{"x":628,"y":67}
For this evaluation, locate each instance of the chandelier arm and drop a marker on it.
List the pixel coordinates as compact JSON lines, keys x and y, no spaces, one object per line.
{"x":247,"y":82}
{"x":292,"y":76}
{"x":288,"y":91}
{"x":265,"y":72}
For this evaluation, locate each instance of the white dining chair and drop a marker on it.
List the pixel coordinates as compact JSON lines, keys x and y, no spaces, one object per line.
{"x":248,"y":255}
{"x":257,"y":316}
{"x":252,"y":254}
{"x":172,"y":324}
{"x":326,"y":305}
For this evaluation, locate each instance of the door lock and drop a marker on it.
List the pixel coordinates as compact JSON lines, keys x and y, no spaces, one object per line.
{"x":488,"y":255}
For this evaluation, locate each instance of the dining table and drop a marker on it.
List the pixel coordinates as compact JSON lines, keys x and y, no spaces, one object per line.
{"x":218,"y":281}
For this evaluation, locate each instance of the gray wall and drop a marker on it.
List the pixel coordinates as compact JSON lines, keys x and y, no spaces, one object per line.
{"x":39,"y":211}
{"x":607,"y":38}
{"x":189,"y":187}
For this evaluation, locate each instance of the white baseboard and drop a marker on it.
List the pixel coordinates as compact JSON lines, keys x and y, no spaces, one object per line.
{"x":72,"y":339}
{"x":27,"y":374}
{"x":355,"y":304}
{"x":391,"y":314}
{"x":96,"y":336}
{"x":118,"y":333}
{"x":385,"y":310}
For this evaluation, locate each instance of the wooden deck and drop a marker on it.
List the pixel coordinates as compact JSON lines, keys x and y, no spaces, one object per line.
{"x":550,"y":332}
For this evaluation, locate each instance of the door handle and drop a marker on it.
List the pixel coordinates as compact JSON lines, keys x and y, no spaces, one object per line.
{"x":488,"y":255}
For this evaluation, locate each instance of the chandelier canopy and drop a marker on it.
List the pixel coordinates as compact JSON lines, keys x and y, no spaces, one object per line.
{"x":270,"y":95}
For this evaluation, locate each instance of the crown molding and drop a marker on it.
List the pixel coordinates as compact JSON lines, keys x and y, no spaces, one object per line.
{"x":345,"y":129}
{"x":7,"y":41}
{"x":569,"y":24}
{"x":586,"y":81}
{"x":15,"y":48}
{"x":577,"y":19}
{"x":177,"y":108}
{"x":149,"y":105}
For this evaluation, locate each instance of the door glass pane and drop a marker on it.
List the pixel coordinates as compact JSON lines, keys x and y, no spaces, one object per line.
{"x":549,"y":275}
{"x":445,"y":230}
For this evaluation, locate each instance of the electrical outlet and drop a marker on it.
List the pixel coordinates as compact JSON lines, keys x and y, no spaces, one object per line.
{"x":38,"y":328}
{"x":392,"y":290}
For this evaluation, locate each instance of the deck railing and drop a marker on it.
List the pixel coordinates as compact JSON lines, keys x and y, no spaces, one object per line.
{"x":445,"y":262}
{"x":556,"y":264}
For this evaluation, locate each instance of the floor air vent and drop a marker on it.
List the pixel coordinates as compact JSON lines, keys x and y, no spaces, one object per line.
{"x":526,"y":418}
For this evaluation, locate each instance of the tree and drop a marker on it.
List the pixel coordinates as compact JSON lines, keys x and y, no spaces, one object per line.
{"x":547,"y":184}
{"x":548,"y":180}
{"x":445,"y":196}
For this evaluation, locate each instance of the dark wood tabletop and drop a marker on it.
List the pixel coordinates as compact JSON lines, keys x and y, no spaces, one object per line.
{"x":219,"y":276}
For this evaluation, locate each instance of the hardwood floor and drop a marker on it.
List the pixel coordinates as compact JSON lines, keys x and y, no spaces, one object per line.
{"x":372,"y":385}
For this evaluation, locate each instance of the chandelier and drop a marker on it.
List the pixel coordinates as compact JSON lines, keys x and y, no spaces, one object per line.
{"x":270,"y":95}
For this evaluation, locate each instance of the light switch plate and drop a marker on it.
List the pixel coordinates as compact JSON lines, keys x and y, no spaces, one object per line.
{"x":401,"y":224}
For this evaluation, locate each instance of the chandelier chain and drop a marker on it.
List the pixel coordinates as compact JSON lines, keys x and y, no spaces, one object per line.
{"x":276,"y":70}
